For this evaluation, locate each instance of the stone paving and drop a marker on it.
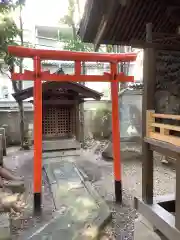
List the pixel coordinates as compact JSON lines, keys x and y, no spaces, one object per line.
{"x":82,"y":212}
{"x":72,"y":208}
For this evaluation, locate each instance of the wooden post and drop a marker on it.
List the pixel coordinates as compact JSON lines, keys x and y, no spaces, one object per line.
{"x":37,"y":135}
{"x":3,"y":132}
{"x":116,"y":135}
{"x":149,"y":75}
{"x":77,"y":123}
{"x":1,"y":150}
{"x":177,"y":213}
{"x":149,"y":120}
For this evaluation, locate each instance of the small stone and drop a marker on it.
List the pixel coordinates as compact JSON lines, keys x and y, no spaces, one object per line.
{"x":164,"y":161}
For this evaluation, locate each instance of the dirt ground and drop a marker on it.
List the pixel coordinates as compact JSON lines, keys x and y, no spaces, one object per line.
{"x":100,"y":173}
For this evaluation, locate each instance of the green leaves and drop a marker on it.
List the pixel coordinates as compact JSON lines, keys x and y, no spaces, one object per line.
{"x":71,"y":44}
{"x":8,"y":30}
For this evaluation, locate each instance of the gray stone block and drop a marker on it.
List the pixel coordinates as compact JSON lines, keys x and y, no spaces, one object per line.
{"x":5,"y":231}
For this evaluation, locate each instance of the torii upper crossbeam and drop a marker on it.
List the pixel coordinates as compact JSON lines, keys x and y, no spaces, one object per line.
{"x":38,"y":76}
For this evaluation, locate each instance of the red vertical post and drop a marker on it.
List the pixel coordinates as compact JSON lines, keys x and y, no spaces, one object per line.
{"x":77,"y":68}
{"x":37,"y":134}
{"x":116,"y":134}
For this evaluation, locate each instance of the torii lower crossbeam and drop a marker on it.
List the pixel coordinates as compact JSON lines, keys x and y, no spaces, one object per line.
{"x":38,"y":76}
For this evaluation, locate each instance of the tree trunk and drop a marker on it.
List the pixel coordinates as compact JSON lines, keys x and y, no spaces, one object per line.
{"x":20,"y":103}
{"x":22,"y":127}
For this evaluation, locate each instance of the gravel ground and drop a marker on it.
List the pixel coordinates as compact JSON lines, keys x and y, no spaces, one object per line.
{"x":100,"y":174}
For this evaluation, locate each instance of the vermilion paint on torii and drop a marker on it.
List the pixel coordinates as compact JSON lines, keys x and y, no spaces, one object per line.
{"x":38,"y":76}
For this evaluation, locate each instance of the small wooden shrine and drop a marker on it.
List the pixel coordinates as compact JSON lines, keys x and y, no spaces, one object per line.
{"x":61,"y":102}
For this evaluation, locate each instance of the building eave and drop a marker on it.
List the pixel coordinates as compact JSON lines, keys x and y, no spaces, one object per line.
{"x":125,"y":21}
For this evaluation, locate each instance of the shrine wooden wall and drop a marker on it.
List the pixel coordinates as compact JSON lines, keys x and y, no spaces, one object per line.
{"x":167,"y":96}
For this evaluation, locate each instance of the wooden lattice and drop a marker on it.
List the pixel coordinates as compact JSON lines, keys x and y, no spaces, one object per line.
{"x":58,"y":121}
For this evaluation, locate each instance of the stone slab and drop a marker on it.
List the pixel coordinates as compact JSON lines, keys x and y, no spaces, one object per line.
{"x":5,"y":232}
{"x":81,"y":211}
{"x":61,"y":144}
{"x":142,"y":230}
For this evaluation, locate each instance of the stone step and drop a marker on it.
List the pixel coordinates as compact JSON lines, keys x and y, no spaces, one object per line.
{"x":61,"y":144}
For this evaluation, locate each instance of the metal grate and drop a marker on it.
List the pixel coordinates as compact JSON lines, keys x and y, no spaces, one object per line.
{"x":58,"y":121}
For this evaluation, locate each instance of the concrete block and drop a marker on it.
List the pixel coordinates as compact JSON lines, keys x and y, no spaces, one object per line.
{"x":5,"y":231}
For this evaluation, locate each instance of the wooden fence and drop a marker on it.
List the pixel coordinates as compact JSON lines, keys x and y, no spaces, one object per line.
{"x":161,"y":131}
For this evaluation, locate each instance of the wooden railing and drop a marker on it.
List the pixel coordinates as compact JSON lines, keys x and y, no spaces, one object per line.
{"x":164,"y":133}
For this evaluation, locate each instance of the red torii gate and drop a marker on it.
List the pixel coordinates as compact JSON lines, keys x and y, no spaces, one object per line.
{"x":37,"y":75}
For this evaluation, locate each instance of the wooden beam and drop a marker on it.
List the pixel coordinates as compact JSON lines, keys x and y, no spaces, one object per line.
{"x":160,"y":46}
{"x":77,"y":123}
{"x":166,"y":116}
{"x":149,"y":74}
{"x":166,"y":149}
{"x":177,"y":212}
{"x":60,"y":102}
{"x":1,"y":150}
{"x":103,"y":24}
{"x":163,"y":145}
{"x":45,"y":54}
{"x":100,"y":33}
{"x":124,"y":3}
